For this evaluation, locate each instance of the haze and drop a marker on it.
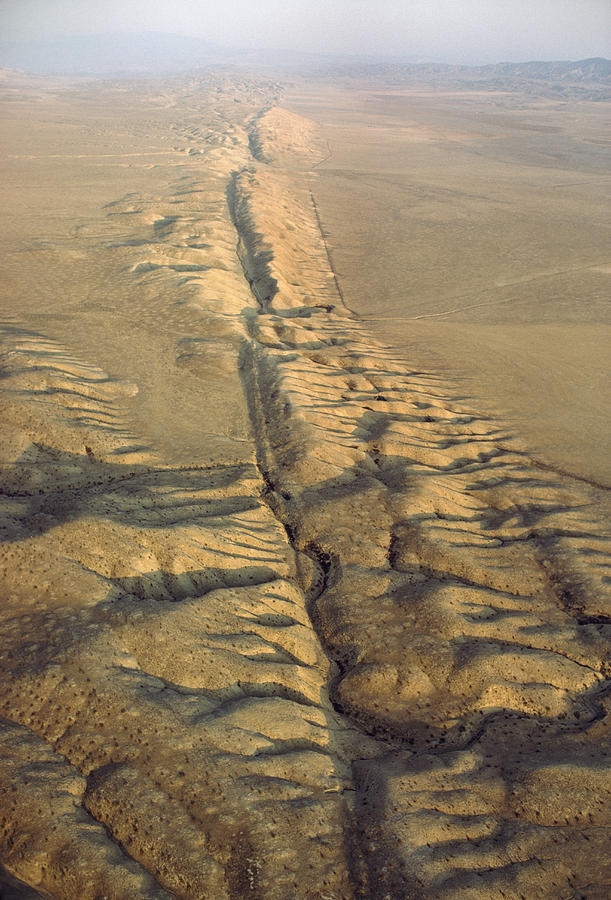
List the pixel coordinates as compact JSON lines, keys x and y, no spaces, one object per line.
{"x":472,"y":31}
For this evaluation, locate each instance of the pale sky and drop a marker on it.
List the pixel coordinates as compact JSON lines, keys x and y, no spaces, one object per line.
{"x":445,"y":30}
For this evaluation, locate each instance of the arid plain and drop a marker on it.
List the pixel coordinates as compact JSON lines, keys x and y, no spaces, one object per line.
{"x":305,"y":490}
{"x":472,"y":227}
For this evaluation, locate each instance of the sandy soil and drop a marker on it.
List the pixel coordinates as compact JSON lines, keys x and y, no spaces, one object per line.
{"x":284,"y":615}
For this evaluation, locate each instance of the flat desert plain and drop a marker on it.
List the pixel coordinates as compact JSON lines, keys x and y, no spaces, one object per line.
{"x":305,"y":569}
{"x":471,"y":228}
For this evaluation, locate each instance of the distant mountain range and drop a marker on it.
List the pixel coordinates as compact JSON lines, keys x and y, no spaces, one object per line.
{"x":596,"y":69}
{"x":151,"y":53}
{"x":586,"y":79}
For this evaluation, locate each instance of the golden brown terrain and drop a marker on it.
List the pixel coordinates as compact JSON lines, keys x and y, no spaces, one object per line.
{"x":283,"y":616}
{"x":471,"y":229}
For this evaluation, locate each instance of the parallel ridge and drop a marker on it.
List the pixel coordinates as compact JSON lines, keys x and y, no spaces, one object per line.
{"x":173,"y":691}
{"x":170,"y":715}
{"x":166,"y":726}
{"x":464,"y":591}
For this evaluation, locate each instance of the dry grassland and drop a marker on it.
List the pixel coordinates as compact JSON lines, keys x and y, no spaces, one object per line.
{"x":285,"y":615}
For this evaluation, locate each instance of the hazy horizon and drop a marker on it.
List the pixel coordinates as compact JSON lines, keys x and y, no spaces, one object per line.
{"x":472,"y":32}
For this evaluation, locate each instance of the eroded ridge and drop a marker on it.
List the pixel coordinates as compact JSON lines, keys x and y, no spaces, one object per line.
{"x":169,"y":712}
{"x":166,"y":723}
{"x":160,"y":677}
{"x":464,"y":588}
